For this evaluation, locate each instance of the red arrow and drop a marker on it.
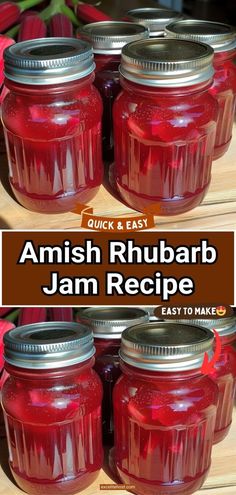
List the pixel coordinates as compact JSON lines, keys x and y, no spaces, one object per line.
{"x":208,"y":366}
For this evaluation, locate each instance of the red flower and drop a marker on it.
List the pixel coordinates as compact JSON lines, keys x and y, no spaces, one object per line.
{"x":60,"y":25}
{"x":32,"y":27}
{"x":9,"y":15}
{"x":88,"y":13}
{"x":32,"y":315}
{"x":61,"y":314}
{"x":4,"y":43}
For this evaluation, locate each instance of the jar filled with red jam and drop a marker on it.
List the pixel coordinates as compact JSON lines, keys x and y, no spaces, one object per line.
{"x":164,"y":409}
{"x":164,"y":125}
{"x":5,"y":325}
{"x":107,"y":324}
{"x":151,"y":312}
{"x":155,"y":19}
{"x":52,"y":408}
{"x":224,"y":373}
{"x":108,"y":38}
{"x":222,"y":38}
{"x":52,"y":123}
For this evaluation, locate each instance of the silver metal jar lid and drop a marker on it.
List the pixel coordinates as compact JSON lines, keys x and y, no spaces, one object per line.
{"x":48,"y":345}
{"x":155,"y":19}
{"x":224,"y":326}
{"x":167,"y":62}
{"x":109,"y":322}
{"x":48,"y":61}
{"x":221,"y":37}
{"x":165,"y":346}
{"x":109,"y":37}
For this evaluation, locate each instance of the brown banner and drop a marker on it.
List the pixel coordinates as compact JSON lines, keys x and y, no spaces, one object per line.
{"x":93,"y":268}
{"x":93,"y":222}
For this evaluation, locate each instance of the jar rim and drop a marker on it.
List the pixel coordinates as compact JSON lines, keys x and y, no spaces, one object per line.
{"x":154,"y":18}
{"x":224,"y":326}
{"x":220,"y":36}
{"x":48,"y":61}
{"x":166,"y":346}
{"x":109,"y":37}
{"x":167,"y":62}
{"x":108,"y":322}
{"x":48,"y":345}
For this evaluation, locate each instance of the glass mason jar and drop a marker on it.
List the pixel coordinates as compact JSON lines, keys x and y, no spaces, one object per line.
{"x":108,"y":38}
{"x":224,"y":374}
{"x":164,"y":125}
{"x":164,"y":409}
{"x":52,"y":121}
{"x":222,"y":38}
{"x":52,"y":407}
{"x":155,"y":19}
{"x":107,"y":324}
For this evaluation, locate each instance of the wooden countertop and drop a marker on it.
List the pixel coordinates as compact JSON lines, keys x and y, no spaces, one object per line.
{"x":217,"y":212}
{"x":221,"y":480}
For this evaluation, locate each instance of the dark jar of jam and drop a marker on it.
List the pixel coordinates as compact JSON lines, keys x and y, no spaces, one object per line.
{"x":155,"y":19}
{"x":222,"y":38}
{"x":224,"y":374}
{"x":107,"y":324}
{"x":108,"y":38}
{"x":164,"y":125}
{"x":164,"y":409}
{"x":52,"y":408}
{"x":52,"y":121}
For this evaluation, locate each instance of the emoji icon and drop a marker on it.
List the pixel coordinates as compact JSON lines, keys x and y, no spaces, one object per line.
{"x":220,"y":310}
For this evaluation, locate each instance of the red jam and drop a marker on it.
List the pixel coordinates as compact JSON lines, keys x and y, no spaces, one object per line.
{"x":222,"y":38}
{"x":107,"y":81}
{"x":53,"y":134}
{"x":107,"y":324}
{"x":164,"y":136}
{"x":108,"y":38}
{"x":53,"y":419}
{"x":224,"y":376}
{"x":224,"y":373}
{"x":164,"y":425}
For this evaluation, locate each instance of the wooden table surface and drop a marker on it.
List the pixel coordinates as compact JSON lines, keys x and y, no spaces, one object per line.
{"x":217,"y":212}
{"x":221,"y":480}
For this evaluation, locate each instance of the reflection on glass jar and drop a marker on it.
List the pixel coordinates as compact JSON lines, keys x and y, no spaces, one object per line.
{"x":164,"y":125}
{"x":52,"y":408}
{"x":164,"y":409}
{"x":52,"y":121}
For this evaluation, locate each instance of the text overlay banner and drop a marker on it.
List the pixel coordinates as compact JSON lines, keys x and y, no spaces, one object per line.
{"x":90,"y":268}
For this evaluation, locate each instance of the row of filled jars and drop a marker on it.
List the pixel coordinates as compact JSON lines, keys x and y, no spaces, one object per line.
{"x":173,"y":113}
{"x":167,"y":411}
